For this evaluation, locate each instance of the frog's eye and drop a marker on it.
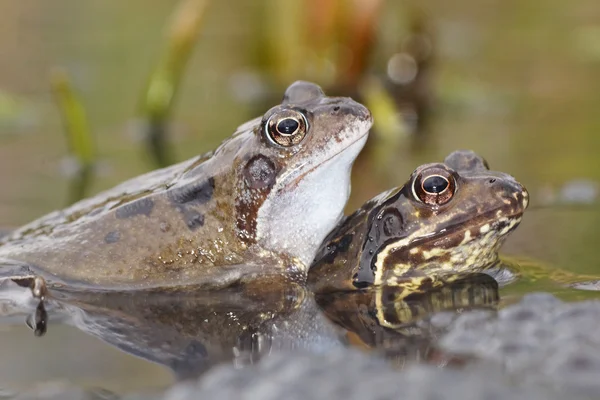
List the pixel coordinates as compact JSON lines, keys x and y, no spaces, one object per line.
{"x":434,"y":186}
{"x":286,"y":128}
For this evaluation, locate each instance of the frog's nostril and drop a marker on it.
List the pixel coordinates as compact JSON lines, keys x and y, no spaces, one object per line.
{"x":336,"y":108}
{"x":492,"y":180}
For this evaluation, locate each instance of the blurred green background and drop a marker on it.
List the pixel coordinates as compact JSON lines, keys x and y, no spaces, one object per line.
{"x":516,"y":81}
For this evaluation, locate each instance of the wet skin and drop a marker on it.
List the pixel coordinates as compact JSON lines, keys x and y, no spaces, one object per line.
{"x":259,"y":205}
{"x":449,"y":218}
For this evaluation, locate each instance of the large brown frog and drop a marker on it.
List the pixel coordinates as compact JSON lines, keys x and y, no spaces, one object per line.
{"x":260,"y":204}
{"x":449,"y":218}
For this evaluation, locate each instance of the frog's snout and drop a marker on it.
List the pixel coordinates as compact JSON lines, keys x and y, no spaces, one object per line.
{"x":524,"y":197}
{"x":363,"y":113}
{"x":347,"y":106}
{"x":512,"y":193}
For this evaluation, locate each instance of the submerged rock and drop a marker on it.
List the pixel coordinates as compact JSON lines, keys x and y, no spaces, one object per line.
{"x":541,"y":339}
{"x":351,"y":375}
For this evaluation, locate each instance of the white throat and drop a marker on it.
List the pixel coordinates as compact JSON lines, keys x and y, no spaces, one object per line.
{"x":296,"y":222}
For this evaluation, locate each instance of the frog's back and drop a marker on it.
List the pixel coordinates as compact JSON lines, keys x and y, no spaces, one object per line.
{"x":103,"y":203}
{"x":142,"y":230}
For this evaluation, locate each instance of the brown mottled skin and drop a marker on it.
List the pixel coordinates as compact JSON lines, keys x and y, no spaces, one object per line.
{"x":197,"y":223}
{"x":400,"y":240}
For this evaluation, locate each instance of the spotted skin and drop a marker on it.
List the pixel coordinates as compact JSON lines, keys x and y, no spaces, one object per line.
{"x":142,"y":206}
{"x":209,"y":221}
{"x":410,"y":238}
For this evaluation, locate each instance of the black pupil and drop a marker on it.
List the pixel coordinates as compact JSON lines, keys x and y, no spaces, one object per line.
{"x":287,"y":126}
{"x":435,"y":184}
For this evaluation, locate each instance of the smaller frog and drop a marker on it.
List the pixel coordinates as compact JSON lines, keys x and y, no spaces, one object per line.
{"x":449,"y":218}
{"x":259,"y":206}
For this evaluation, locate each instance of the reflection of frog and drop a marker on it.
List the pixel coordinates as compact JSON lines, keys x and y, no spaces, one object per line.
{"x":260,"y":204}
{"x":192,"y":331}
{"x":449,"y":218}
{"x":394,"y":324}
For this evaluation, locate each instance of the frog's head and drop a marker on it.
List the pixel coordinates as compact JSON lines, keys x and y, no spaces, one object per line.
{"x":294,"y":171}
{"x":449,"y":217}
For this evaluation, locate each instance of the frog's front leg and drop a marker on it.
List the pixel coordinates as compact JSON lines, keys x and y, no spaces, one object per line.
{"x":22,"y":275}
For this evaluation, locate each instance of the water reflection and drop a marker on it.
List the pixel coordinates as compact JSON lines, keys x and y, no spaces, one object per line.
{"x":399,"y":327}
{"x":190,"y":332}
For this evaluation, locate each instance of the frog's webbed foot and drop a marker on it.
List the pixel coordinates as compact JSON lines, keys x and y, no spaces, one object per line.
{"x":23,"y":276}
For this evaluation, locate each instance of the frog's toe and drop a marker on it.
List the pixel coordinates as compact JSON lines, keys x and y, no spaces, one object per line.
{"x":588,"y":285}
{"x":38,"y":287}
{"x":24,"y":276}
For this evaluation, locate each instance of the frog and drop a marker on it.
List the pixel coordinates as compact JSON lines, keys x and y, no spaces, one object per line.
{"x":448,"y":219}
{"x":255,"y":208}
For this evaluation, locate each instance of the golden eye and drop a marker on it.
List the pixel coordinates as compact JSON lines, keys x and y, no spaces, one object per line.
{"x":286,"y":128}
{"x":434,"y":186}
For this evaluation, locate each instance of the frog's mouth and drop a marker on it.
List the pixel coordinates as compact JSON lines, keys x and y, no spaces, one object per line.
{"x":448,"y":252}
{"x":487,"y":234}
{"x":463,"y":247}
{"x":489,"y":231}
